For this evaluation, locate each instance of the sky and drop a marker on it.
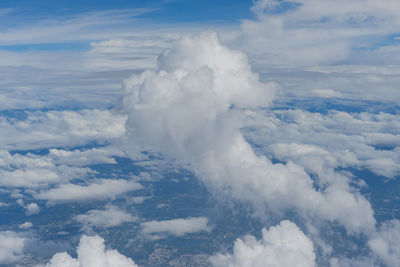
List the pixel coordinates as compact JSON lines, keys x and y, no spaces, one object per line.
{"x":162,"y":11}
{"x":286,"y":113}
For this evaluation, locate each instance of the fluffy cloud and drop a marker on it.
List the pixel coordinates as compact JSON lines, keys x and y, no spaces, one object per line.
{"x":85,"y":157}
{"x":209,"y":81}
{"x":25,"y":225}
{"x":33,"y":171}
{"x":11,"y":247}
{"x":98,"y":189}
{"x":281,"y":245}
{"x":190,"y":109}
{"x":31,"y":208}
{"x":176,"y":227}
{"x":109,"y":217}
{"x":28,"y":178}
{"x":57,"y":166}
{"x":91,"y":253}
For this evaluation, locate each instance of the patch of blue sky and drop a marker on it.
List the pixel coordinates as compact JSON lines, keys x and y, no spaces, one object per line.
{"x":392,"y":39}
{"x":231,"y":11}
{"x":282,"y":8}
{"x":383,"y":193}
{"x":72,"y":6}
{"x":164,"y":10}
{"x":372,"y":42}
{"x":67,"y":46}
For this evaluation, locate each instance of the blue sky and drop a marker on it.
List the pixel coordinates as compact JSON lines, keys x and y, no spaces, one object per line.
{"x":164,"y":11}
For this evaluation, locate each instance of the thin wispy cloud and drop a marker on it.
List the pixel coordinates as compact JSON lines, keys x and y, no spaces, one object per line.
{"x":87,"y":26}
{"x":5,"y":11}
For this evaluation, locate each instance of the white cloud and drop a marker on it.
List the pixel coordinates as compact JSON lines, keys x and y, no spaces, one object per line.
{"x":281,"y":245}
{"x":311,"y":32}
{"x":332,"y":48}
{"x":326,"y":93}
{"x":85,"y":157}
{"x":385,"y":243}
{"x":57,"y":166}
{"x":133,"y":52}
{"x":25,"y":225}
{"x":28,"y":178}
{"x":206,"y":83}
{"x":109,"y":217}
{"x":31,"y":208}
{"x":190,"y":109}
{"x":355,"y":82}
{"x":98,"y":189}
{"x":175,"y":227}
{"x":11,"y":247}
{"x":34,"y":171}
{"x":91,"y":253}
{"x":132,"y":45}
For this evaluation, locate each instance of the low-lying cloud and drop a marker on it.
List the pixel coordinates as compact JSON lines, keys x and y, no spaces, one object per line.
{"x":282,"y":245}
{"x":109,"y":217}
{"x":97,"y":189}
{"x":91,"y":252}
{"x":175,"y":227}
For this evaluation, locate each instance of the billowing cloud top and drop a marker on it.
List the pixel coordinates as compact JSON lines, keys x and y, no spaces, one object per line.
{"x":91,"y":253}
{"x":190,"y":109}
{"x":282,"y":245}
{"x":193,"y":89}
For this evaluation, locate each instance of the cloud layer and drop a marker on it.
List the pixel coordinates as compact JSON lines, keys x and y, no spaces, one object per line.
{"x":312,"y":32}
{"x":60,"y":128}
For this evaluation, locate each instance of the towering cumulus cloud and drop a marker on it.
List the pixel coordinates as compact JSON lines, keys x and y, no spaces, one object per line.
{"x":191,"y":109}
{"x":185,"y":108}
